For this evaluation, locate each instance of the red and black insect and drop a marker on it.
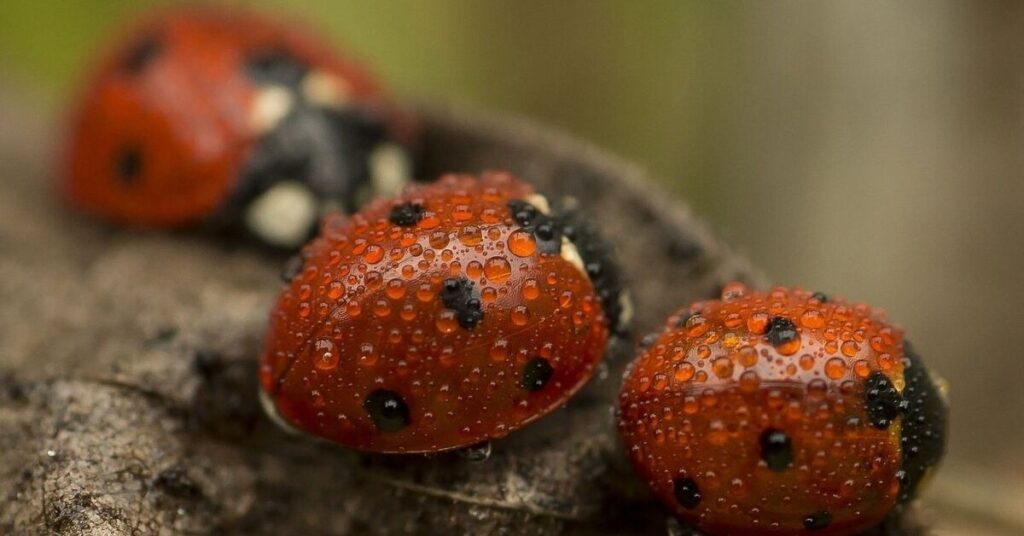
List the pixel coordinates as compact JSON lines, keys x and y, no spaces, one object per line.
{"x":454,"y":314}
{"x":222,"y":116}
{"x":782,"y":412}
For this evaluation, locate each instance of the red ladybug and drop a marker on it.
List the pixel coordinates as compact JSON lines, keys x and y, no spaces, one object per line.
{"x":782,"y":413}
{"x":207,"y":114}
{"x":456,"y":313}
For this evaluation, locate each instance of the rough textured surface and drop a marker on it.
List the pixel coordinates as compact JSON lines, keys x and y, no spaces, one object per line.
{"x":127,"y":371}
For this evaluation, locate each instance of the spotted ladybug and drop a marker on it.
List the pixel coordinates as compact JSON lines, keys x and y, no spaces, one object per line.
{"x":222,"y":116}
{"x":453,"y":314}
{"x":782,"y":412}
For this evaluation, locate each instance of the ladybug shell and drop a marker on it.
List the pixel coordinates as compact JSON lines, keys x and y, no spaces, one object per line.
{"x":164,"y":128}
{"x":781,"y":413}
{"x":432,"y":321}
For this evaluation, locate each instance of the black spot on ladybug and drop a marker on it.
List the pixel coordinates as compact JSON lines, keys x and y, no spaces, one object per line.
{"x":820,"y":296}
{"x":780,"y":330}
{"x":292,"y":268}
{"x":925,"y":422}
{"x":686,"y":492}
{"x":536,"y":374}
{"x":142,"y":54}
{"x":387,"y":409}
{"x":459,"y":296}
{"x":275,"y":66}
{"x":882,"y":399}
{"x":128,"y":166}
{"x":406,"y":214}
{"x":818,"y":520}
{"x":776,"y":449}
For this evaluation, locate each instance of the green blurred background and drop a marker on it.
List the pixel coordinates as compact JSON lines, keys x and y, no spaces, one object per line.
{"x":873,"y":149}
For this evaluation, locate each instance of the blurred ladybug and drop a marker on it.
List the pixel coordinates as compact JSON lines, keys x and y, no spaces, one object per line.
{"x":782,"y":413}
{"x":220,"y":116}
{"x":453,"y":314}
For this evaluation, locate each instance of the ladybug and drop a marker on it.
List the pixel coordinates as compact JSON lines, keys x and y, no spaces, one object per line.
{"x":446,"y":317}
{"x":222,"y":116}
{"x":782,"y":412}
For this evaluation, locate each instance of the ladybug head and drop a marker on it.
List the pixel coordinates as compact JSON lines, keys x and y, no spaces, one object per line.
{"x":223,"y":117}
{"x":317,"y":150}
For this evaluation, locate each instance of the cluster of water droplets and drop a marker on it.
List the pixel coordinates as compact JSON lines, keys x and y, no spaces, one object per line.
{"x":367,"y":312}
{"x":787,"y":364}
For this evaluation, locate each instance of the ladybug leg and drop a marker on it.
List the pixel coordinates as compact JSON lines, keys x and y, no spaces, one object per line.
{"x":673,"y":527}
{"x":270,"y":408}
{"x":476,"y":453}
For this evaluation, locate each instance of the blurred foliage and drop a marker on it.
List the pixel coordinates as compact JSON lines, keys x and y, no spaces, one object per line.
{"x":618,"y":73}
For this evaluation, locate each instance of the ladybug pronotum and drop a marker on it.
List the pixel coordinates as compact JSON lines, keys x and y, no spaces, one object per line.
{"x":219,"y":116}
{"x":782,"y":412}
{"x":453,"y":314}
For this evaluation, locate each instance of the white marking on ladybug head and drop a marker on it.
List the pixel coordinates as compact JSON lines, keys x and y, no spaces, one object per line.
{"x":540,"y":203}
{"x":270,"y":105}
{"x":283,"y":215}
{"x":571,"y":255}
{"x":625,"y":308}
{"x":325,"y":89}
{"x":390,"y":169}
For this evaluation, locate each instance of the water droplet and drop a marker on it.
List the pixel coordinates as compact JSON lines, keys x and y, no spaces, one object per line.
{"x":520,"y":315}
{"x":446,"y":321}
{"x":353,"y":308}
{"x":326,"y":357}
{"x":497,"y":269}
{"x":812,"y":318}
{"x":722,"y":367}
{"x":522,"y":244}
{"x":499,"y":350}
{"x":835,"y":368}
{"x":367,"y":354}
{"x":462,"y":212}
{"x":382,"y":308}
{"x":395,"y":289}
{"x":684,"y":372}
{"x":531,"y":290}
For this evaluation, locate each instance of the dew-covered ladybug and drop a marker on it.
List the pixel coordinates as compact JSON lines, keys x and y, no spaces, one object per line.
{"x":222,"y":116}
{"x":443,"y":318}
{"x":782,"y":412}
